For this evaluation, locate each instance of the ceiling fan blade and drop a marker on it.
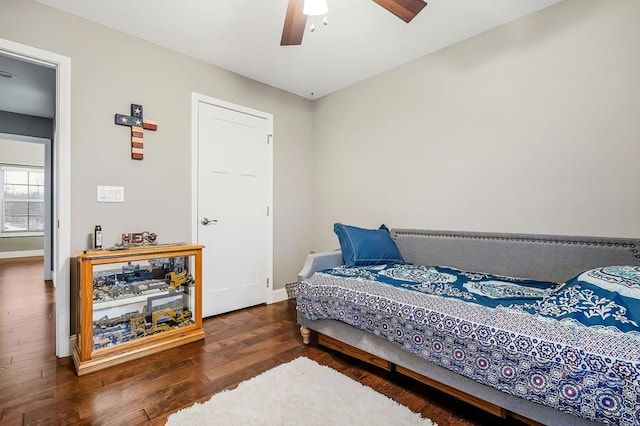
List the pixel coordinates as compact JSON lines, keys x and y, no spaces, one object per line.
{"x":294,"y":24}
{"x":403,"y":9}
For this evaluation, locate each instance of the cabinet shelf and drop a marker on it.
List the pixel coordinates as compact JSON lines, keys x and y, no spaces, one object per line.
{"x":119,"y":302}
{"x":132,"y":303}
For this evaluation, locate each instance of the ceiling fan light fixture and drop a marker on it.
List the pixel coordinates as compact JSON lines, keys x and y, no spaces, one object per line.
{"x":299,"y":12}
{"x":315,"y":7}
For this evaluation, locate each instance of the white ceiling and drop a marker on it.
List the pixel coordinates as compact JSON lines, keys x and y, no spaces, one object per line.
{"x":243,"y":36}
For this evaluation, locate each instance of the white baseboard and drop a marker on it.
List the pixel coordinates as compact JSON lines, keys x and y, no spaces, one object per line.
{"x":279,"y":295}
{"x":72,"y":344}
{"x":23,"y":253}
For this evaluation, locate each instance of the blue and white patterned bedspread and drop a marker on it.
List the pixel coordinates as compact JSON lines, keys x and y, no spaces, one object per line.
{"x":574,"y":347}
{"x":486,"y":289}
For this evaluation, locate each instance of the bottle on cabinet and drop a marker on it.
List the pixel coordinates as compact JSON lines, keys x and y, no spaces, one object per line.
{"x":97,"y":237}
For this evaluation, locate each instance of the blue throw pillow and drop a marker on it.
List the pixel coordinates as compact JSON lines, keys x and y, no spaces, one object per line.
{"x":366,"y":246}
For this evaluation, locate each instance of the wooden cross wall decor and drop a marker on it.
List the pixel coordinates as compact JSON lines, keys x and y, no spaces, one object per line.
{"x":138,"y":123}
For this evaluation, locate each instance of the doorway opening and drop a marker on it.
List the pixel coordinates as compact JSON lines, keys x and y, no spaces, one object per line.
{"x":26,"y":199}
{"x":59,"y":146}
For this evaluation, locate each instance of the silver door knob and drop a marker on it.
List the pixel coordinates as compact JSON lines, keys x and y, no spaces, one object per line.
{"x":206,"y":221}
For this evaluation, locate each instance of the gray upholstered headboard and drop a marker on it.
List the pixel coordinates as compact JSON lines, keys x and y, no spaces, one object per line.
{"x":543,"y":257}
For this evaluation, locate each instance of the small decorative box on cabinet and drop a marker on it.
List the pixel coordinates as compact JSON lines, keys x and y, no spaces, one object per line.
{"x":136,"y":302}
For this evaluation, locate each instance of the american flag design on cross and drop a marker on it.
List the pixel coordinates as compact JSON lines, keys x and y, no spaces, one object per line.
{"x":138,"y":124}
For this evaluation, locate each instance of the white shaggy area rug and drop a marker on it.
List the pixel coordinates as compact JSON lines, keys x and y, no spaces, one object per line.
{"x":301,"y":392}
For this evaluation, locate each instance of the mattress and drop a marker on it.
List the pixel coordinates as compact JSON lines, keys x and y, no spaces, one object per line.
{"x":573,"y":346}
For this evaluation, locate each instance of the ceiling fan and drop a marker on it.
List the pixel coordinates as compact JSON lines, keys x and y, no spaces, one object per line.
{"x":295,"y":20}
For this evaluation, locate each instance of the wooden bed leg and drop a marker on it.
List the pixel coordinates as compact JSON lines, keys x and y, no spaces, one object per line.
{"x":305,"y":332}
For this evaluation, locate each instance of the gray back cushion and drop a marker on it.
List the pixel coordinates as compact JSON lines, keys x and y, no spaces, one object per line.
{"x":542,"y":257}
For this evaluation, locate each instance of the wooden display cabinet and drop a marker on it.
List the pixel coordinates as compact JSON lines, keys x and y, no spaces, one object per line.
{"x":135,"y":302}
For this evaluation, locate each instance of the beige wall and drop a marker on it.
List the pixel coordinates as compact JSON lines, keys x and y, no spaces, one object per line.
{"x":527,"y":128}
{"x":22,"y":153}
{"x":109,"y":71}
{"x":28,"y":154}
{"x":532,"y":127}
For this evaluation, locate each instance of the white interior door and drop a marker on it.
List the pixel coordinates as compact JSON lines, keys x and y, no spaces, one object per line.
{"x":233,"y":207}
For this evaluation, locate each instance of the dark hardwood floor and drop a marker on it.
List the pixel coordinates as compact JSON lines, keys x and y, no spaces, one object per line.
{"x":38,"y":388}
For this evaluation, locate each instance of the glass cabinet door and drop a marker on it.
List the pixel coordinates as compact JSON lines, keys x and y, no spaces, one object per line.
{"x":136,"y":299}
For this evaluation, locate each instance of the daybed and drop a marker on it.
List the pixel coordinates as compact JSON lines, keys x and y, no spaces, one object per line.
{"x":529,"y":356}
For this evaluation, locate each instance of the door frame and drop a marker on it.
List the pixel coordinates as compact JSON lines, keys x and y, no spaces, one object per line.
{"x":61,"y":181}
{"x":196,"y":99}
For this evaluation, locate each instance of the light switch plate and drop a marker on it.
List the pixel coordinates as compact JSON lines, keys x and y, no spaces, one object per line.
{"x":110,"y":194}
